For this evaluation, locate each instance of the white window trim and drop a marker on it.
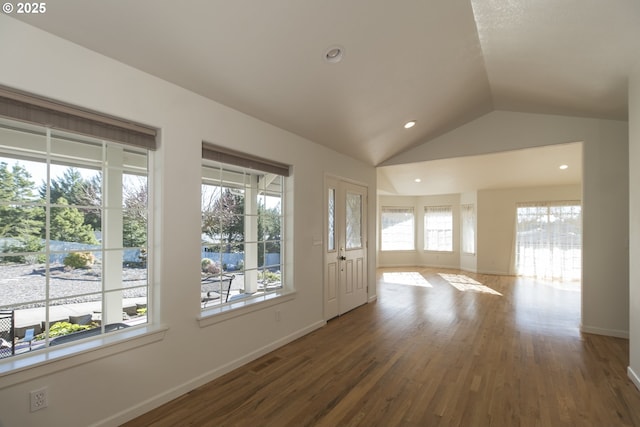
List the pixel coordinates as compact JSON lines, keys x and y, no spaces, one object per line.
{"x":32,"y":365}
{"x":27,"y":366}
{"x":414,"y":241}
{"x":240,"y":306}
{"x":217,"y":314}
{"x":424,"y":220}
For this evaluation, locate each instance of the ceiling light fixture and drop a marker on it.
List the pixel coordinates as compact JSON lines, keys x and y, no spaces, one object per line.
{"x":417,"y":180}
{"x":563,"y":167}
{"x":410,"y":124}
{"x":334,"y":54}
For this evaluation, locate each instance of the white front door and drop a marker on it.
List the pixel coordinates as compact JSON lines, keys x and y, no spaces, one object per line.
{"x":345,"y":278}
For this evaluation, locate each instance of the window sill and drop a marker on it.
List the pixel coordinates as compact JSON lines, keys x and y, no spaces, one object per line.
{"x":213,"y":315}
{"x":29,"y":366}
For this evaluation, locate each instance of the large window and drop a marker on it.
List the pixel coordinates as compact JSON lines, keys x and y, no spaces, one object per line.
{"x":398,"y":229}
{"x":438,"y":228}
{"x":73,"y":237}
{"x":468,"y":222}
{"x":242,"y":234}
{"x":549,"y":240}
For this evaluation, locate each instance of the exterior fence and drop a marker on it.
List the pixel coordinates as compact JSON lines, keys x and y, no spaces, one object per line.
{"x":61,"y":250}
{"x":128,"y":255}
{"x":235,"y":260}
{"x":232,"y":260}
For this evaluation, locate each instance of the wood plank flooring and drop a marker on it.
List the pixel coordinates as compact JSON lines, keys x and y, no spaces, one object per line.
{"x":438,"y":348}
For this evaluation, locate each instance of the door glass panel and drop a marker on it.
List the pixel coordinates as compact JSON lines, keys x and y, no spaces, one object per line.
{"x":354,"y":221}
{"x":331,"y":240}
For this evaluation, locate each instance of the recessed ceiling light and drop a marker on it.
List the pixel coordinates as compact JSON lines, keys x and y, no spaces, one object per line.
{"x":417,"y":180}
{"x":563,"y":167}
{"x":334,"y":54}
{"x":410,"y":124}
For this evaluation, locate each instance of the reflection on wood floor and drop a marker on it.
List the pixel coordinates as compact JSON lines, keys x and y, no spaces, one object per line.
{"x":442,"y":348}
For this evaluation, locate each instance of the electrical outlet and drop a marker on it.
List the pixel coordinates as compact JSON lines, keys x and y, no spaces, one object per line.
{"x":277,"y":315}
{"x":39,"y":399}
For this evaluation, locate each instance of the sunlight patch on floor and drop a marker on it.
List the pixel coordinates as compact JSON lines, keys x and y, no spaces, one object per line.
{"x":406,"y":278}
{"x":561,"y":285}
{"x":571,"y":286}
{"x":465,"y":283}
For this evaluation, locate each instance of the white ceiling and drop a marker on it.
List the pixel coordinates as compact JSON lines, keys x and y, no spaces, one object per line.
{"x":440,"y":62}
{"x":534,"y":167}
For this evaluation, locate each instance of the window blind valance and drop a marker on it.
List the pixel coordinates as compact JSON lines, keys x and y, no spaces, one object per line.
{"x":28,"y":108}
{"x":393,"y":209}
{"x":236,"y":158}
{"x":548,"y":204}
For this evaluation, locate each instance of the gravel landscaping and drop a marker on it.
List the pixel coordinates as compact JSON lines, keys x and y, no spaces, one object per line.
{"x":23,"y":284}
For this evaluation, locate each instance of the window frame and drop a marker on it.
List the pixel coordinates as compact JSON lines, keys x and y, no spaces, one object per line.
{"x":218,"y":312}
{"x":451,"y":229}
{"x":49,"y":359}
{"x":398,"y":209}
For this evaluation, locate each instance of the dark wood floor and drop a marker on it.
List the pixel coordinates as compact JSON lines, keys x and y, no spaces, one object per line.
{"x":441,"y":351}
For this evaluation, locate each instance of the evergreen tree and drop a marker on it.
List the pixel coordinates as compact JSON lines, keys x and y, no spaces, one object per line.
{"x":67,"y":225}
{"x":19,"y":219}
{"x":77,"y":191}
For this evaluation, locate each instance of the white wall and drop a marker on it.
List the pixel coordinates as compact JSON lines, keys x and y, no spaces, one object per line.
{"x":634,"y":225}
{"x":119,"y":386}
{"x":605,"y":272}
{"x":605,"y":287}
{"x":497,"y":222}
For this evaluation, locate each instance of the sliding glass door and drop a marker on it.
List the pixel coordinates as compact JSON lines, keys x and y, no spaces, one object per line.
{"x":549,"y":240}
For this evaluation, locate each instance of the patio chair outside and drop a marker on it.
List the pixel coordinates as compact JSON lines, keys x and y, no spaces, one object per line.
{"x":223,"y":287}
{"x":29,"y":336}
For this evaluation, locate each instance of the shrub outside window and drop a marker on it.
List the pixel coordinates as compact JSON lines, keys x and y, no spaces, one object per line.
{"x":73,"y":237}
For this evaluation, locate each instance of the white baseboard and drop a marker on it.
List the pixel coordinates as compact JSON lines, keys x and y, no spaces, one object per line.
{"x":494,"y":272}
{"x":397,"y":266}
{"x":607,"y":332}
{"x":414,"y":266}
{"x":443,"y":266}
{"x":633,"y":377}
{"x":172,"y":393}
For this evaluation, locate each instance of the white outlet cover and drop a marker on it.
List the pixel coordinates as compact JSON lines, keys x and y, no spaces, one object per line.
{"x":38,"y":399}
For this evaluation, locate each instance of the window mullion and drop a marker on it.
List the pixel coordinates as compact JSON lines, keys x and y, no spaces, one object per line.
{"x":47,"y":225}
{"x":112,"y":237}
{"x":251,"y":248}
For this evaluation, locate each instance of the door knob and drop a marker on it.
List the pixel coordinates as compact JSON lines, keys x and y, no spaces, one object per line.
{"x":342,"y":258}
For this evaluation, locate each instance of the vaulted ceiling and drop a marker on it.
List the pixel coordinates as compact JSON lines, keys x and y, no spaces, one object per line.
{"x":441,"y":63}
